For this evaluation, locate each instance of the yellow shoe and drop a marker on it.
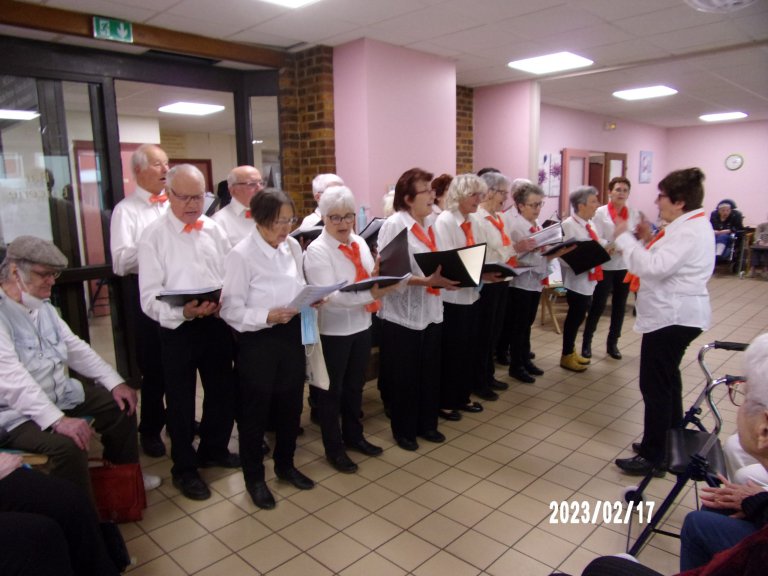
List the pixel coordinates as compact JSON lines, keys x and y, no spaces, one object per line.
{"x":571,"y":362}
{"x":581,"y":360}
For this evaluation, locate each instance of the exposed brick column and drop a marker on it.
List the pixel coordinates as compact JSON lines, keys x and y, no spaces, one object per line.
{"x":465,"y":143}
{"x":307,"y":131}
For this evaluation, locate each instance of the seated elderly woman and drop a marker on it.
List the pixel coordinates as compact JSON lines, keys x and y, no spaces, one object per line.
{"x":344,"y":322}
{"x":726,"y":221}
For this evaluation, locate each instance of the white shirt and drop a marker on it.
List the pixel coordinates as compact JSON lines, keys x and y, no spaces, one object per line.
{"x":258,"y":278}
{"x":232,"y":218}
{"x":604,"y":227}
{"x":495,"y":250}
{"x":409,"y":306}
{"x":311,"y":220}
{"x":129,"y":219}
{"x":450,"y":236}
{"x":520,"y":228}
{"x":673,"y":274}
{"x":171,"y":259}
{"x":344,"y":313}
{"x":575,"y":228}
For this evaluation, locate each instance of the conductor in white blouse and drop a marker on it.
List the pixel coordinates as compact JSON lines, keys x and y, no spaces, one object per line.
{"x":184,"y":250}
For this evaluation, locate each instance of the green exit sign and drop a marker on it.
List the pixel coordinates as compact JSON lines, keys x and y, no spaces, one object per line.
{"x":112,"y":29}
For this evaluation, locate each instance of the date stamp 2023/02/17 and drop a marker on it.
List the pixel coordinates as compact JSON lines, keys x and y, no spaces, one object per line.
{"x":586,"y":512}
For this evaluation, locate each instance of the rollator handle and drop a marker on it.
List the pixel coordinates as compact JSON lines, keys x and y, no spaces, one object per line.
{"x":734,"y":346}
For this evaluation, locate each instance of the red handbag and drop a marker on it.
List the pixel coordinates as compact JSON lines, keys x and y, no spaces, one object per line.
{"x":119,"y":491}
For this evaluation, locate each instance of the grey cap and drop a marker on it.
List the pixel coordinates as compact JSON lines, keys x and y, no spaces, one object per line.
{"x":37,"y":250}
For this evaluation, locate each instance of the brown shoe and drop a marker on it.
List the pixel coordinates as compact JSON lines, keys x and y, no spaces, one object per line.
{"x":571,"y":362}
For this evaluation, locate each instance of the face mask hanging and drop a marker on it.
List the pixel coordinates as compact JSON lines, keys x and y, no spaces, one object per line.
{"x":309,"y":326}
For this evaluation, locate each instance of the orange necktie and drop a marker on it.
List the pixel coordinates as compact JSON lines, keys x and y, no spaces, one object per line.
{"x":499,"y":225}
{"x":198,"y":225}
{"x":353,"y":254}
{"x":429,"y":242}
{"x":466,"y":227}
{"x":247,"y":214}
{"x":158,"y":198}
{"x":597,"y":274}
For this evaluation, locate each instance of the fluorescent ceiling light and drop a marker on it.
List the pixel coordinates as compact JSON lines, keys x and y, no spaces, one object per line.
{"x":291,"y":3}
{"x":644,"y":93}
{"x":18,"y":114}
{"x":191,"y":108}
{"x":551,"y":63}
{"x":722,"y":116}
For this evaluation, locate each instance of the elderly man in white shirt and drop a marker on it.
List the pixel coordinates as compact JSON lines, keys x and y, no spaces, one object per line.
{"x":185,"y":251}
{"x":129,"y":219}
{"x":235,"y":218}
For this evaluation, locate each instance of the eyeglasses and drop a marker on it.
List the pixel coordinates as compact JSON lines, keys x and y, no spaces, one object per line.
{"x":534,"y":204}
{"x":187,"y":199}
{"x":286,"y":221}
{"x":336,"y":219}
{"x":736,"y":392}
{"x":46,"y":274}
{"x":250,"y":184}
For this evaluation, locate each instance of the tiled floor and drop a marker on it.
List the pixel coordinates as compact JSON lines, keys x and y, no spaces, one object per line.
{"x":478,"y":504}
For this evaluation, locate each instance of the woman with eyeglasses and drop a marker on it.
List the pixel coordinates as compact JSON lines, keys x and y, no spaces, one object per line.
{"x":337,"y":255}
{"x":263,"y":274}
{"x":673,"y":306}
{"x":412,"y":318}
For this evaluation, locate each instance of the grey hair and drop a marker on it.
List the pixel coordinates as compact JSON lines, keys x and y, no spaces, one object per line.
{"x":523,"y":190}
{"x":5,"y":268}
{"x":496,"y":181}
{"x":184,"y":169}
{"x":139,"y":160}
{"x":463,"y":186}
{"x":581,"y":196}
{"x":756,"y":370}
{"x":336,"y":197}
{"x":323,"y":181}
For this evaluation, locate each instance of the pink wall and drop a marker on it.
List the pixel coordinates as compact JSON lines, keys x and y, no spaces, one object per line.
{"x":707,"y":148}
{"x":564,"y":128}
{"x":504,"y":117}
{"x":395,"y":109}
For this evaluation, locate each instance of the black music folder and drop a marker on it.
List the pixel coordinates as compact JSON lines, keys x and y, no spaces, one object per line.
{"x":464,"y":265}
{"x":394,"y":265}
{"x":587,"y":255}
{"x":181,"y":297}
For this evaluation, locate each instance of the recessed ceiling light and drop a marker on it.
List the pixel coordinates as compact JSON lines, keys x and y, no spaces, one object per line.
{"x":191,"y":108}
{"x":18,"y":114}
{"x":722,"y":116}
{"x":644,"y":93}
{"x":551,"y":63}
{"x":291,"y":3}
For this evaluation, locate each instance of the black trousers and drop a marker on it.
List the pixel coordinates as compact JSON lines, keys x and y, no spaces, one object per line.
{"x":493,"y":304}
{"x":522,"y":307}
{"x":202,"y":345}
{"x":272,"y":368}
{"x":148,"y":358}
{"x":346,"y":358}
{"x":661,"y":385}
{"x":578,"y":306}
{"x":411,"y":360}
{"x":460,"y":370}
{"x":49,"y":527}
{"x":611,"y":284}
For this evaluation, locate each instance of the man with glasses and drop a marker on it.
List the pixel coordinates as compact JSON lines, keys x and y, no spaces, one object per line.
{"x":244,"y":183}
{"x":42,"y":408}
{"x":185,"y":251}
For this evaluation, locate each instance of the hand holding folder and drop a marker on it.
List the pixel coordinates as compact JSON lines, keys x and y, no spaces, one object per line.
{"x":586,"y":255}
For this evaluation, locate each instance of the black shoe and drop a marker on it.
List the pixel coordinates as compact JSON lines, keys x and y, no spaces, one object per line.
{"x":486,"y":394}
{"x":264,"y":448}
{"x":531,"y":355}
{"x":522,"y":375}
{"x":433,"y":436}
{"x":260,"y":494}
{"x":471,"y":407}
{"x":364,"y":447}
{"x":452,"y":415}
{"x":406,"y":443}
{"x":231,"y":460}
{"x":498,"y":385}
{"x":613,"y":351}
{"x":586,"y":350}
{"x":636,"y":447}
{"x":293,"y":476}
{"x":532,"y":369}
{"x":152,"y":445}
{"x":192,"y":486}
{"x":639,"y":466}
{"x":502,"y":358}
{"x":342,"y":463}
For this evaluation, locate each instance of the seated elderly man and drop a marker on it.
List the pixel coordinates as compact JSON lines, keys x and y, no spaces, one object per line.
{"x":41,"y":407}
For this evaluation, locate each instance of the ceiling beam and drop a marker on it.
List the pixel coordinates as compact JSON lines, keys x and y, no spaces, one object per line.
{"x":56,"y":20}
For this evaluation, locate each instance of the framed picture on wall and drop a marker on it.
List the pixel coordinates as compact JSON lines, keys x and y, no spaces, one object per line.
{"x":646,"y":167}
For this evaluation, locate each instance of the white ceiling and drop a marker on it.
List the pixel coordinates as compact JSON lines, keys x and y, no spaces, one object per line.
{"x":717,"y":62}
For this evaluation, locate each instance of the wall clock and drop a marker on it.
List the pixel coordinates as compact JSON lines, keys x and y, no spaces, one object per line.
{"x":734,"y":161}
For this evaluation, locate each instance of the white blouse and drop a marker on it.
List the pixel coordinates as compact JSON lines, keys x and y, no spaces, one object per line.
{"x":575,"y":228}
{"x":129,"y":219}
{"x":450,"y":236}
{"x":520,"y":228}
{"x":234,"y":220}
{"x":604,"y":228}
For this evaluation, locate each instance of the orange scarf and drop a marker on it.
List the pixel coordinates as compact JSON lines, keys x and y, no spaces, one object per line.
{"x":429,"y":242}
{"x":498,"y":223}
{"x":353,"y":254}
